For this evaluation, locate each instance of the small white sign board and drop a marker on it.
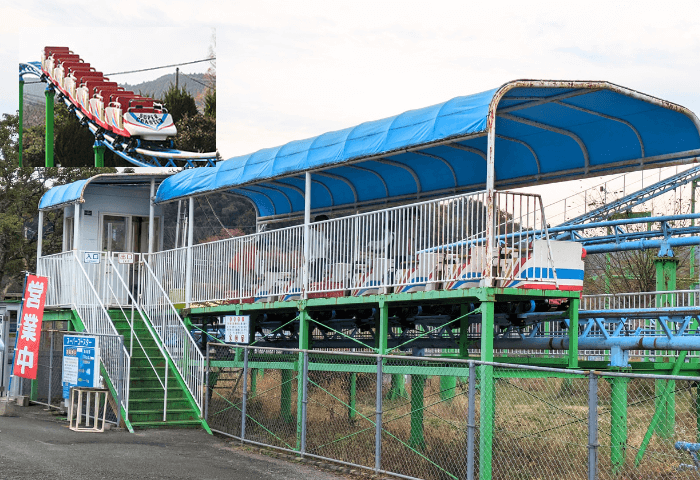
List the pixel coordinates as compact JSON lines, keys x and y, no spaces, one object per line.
{"x":92,"y":257}
{"x":126,"y":258}
{"x":237,"y":328}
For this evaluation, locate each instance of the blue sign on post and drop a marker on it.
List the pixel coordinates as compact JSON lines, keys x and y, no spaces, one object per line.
{"x":81,"y":362}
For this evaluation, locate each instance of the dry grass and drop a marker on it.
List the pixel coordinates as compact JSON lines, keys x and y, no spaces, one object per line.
{"x":540,"y":426}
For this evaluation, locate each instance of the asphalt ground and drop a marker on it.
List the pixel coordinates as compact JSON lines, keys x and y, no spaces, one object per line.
{"x":39,"y":445}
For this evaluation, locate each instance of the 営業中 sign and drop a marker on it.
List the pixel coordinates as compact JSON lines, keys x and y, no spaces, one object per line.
{"x":29,"y":328}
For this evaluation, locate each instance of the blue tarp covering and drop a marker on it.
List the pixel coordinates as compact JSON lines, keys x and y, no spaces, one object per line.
{"x":543,"y":134}
{"x":62,"y":194}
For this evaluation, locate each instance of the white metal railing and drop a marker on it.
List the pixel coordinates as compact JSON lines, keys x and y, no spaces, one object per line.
{"x":59,"y":269}
{"x":96,"y":320}
{"x":171,"y":330}
{"x":435,"y":244}
{"x":638,"y":300}
{"x":129,"y":316}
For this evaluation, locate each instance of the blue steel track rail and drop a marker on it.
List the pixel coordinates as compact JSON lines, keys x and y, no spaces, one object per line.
{"x":143,"y":154}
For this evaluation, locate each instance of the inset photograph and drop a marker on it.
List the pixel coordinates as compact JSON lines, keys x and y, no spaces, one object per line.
{"x":141,"y":105}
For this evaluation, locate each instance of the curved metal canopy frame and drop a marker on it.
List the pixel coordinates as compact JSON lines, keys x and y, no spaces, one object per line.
{"x":451,"y":134}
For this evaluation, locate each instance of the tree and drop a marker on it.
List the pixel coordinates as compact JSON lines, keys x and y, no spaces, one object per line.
{"x":210,"y":103}
{"x":179,"y":103}
{"x":72,"y":143}
{"x":20,"y":192}
{"x":196,"y":133}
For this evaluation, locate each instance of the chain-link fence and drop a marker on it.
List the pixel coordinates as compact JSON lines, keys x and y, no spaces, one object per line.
{"x":47,"y":389}
{"x":443,"y":418}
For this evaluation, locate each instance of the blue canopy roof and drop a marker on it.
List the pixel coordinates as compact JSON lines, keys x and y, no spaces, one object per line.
{"x":545,"y":131}
{"x":64,"y":195}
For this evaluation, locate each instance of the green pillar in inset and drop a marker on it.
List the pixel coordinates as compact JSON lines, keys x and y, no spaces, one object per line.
{"x":382,"y":329}
{"x":486,"y":424}
{"x":49,"y":126}
{"x":618,"y":423}
{"x":99,"y":150}
{"x":20,"y":125}
{"x":448,"y":384}
{"x":33,"y":393}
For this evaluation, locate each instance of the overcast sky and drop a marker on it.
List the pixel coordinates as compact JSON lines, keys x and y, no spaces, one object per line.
{"x":290,"y":69}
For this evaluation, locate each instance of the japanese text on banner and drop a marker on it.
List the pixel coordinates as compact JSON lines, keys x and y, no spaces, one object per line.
{"x":29,"y":329}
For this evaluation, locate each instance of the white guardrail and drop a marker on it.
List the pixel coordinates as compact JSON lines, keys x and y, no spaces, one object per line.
{"x":175,"y":337}
{"x":640,"y":300}
{"x":70,"y":285}
{"x":436,"y":244}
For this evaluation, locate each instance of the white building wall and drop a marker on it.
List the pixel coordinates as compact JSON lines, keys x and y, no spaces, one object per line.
{"x":110,"y":200}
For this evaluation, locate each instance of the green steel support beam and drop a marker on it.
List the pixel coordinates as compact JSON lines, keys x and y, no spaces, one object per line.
{"x":464,"y":331}
{"x":659,"y":413}
{"x":573,"y":332}
{"x":398,"y":387}
{"x":666,"y":404}
{"x":417,"y":438}
{"x":253,"y":381}
{"x":448,"y":384}
{"x":20,"y":126}
{"x":304,"y":337}
{"x":33,"y":392}
{"x":99,"y":154}
{"x":486,"y":423}
{"x":286,"y":396}
{"x":49,"y":127}
{"x":382,"y":330}
{"x":353,"y":396}
{"x":618,"y":423}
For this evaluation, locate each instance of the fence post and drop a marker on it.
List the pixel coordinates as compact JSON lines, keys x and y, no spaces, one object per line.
{"x":206,"y":385}
{"x":304,"y":401}
{"x":471,"y":415}
{"x":50,"y":397}
{"x":120,"y":381}
{"x":244,"y":401}
{"x":378,"y":420}
{"x":592,"y":426}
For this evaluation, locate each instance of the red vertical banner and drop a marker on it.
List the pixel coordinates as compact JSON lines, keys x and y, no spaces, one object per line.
{"x":29,"y":330}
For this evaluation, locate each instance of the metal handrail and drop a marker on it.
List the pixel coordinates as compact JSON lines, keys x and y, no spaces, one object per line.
{"x":185,"y":354}
{"x":105,"y":326}
{"x":135,"y":304}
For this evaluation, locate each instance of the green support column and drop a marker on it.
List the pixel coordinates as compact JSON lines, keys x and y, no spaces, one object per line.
{"x":486,"y":423}
{"x":448,"y":384}
{"x":667,"y":405}
{"x":464,"y":331}
{"x":49,"y":127}
{"x":618,"y":423}
{"x":382,"y":328}
{"x":253,"y":381}
{"x":99,"y":150}
{"x":33,"y":393}
{"x":353,"y":396}
{"x":417,"y":439}
{"x":573,"y":332}
{"x":20,"y":126}
{"x":304,"y":335}
{"x":286,"y":396}
{"x":666,"y":269}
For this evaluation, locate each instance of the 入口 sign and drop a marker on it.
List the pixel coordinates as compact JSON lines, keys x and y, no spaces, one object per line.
{"x":29,"y":329}
{"x":92,"y":257}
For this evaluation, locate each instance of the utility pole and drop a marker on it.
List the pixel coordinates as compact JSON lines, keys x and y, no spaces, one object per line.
{"x":177,"y":78}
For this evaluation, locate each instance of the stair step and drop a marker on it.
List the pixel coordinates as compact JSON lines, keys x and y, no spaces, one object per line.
{"x":167,"y":423}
